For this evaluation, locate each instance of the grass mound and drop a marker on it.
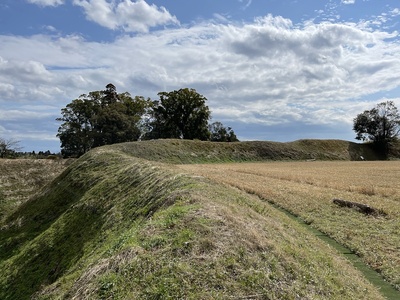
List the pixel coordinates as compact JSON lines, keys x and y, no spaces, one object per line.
{"x":116,"y":226}
{"x":188,"y":151}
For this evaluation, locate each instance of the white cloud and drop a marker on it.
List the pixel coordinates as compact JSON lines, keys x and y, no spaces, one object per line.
{"x":348,"y":1}
{"x":31,"y":71}
{"x":395,"y":12}
{"x":6,"y":90}
{"x":47,"y":2}
{"x":50,"y":28}
{"x":130,"y":16}
{"x":221,"y":18}
{"x":3,"y":131}
{"x":14,"y":115}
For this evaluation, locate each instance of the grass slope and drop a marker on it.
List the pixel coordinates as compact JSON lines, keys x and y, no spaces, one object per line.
{"x":187,"y":151}
{"x":117,"y":226}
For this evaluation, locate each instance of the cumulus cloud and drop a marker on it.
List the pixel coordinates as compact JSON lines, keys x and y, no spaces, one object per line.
{"x":31,"y":71}
{"x":130,"y":16}
{"x":348,"y":1}
{"x":126,"y":15}
{"x":47,"y":2}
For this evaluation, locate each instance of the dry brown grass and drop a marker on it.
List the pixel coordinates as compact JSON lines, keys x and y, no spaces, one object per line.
{"x":307,"y":189}
{"x":20,"y":179}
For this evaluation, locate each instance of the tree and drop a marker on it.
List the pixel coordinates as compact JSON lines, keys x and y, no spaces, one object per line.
{"x":100,"y":118}
{"x":380,"y":125}
{"x":77,"y":132}
{"x":8,"y":147}
{"x":219,"y":133}
{"x":118,"y":121}
{"x":179,"y":114}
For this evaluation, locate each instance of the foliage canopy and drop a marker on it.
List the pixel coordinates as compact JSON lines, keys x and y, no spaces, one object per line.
{"x":179,"y":114}
{"x":380,"y":125}
{"x":220,"y":133}
{"x":100,"y":118}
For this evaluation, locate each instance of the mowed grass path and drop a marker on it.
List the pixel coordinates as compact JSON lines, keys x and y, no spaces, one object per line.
{"x":307,"y":189}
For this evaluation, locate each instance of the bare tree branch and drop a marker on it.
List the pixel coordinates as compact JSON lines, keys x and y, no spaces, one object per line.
{"x":8,"y":146}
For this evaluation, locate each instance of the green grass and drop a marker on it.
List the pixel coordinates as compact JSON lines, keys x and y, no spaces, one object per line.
{"x":118,"y":225}
{"x":186,"y":151}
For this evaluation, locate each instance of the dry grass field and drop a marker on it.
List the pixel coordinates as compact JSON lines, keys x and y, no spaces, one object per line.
{"x":20,"y":179}
{"x":307,"y":189}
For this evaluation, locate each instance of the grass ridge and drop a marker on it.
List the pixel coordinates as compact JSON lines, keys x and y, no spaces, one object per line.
{"x":194,"y":151}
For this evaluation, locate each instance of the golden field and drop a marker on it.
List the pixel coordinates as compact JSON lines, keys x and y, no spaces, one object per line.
{"x":307,"y":189}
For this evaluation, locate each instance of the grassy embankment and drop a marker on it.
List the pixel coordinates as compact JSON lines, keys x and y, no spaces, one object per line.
{"x":187,"y":152}
{"x":114,"y":225}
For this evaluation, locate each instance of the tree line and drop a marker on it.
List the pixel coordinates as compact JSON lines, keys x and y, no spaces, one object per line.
{"x":10,"y":148}
{"x":106,"y":117}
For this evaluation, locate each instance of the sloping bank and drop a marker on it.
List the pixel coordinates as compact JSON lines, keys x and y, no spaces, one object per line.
{"x":116,"y":226}
{"x":188,"y":151}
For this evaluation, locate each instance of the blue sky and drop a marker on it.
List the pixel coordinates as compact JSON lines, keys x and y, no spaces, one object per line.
{"x":272,"y":70}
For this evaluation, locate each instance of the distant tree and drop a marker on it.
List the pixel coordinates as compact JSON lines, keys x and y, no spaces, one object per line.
{"x":119,"y":119}
{"x":219,"y":133}
{"x":8,"y":147}
{"x":379,"y":125}
{"x":100,"y":118}
{"x":76,"y":133}
{"x":179,"y":114}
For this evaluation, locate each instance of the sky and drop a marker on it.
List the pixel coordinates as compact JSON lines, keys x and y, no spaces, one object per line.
{"x":273,"y":70}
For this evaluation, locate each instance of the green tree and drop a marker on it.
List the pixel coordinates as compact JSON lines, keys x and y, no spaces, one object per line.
{"x":379,"y":125}
{"x":118,"y":120}
{"x":219,"y":133}
{"x":179,"y":114}
{"x":76,"y":133}
{"x":100,"y":118}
